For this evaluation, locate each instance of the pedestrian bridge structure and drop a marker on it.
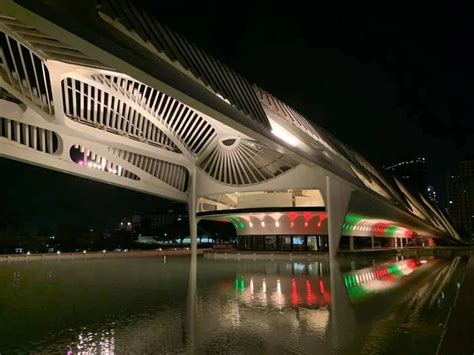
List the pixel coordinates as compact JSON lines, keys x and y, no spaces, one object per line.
{"x":102,"y":90}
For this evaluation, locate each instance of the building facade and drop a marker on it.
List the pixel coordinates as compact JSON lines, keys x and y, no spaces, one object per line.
{"x":162,"y":217}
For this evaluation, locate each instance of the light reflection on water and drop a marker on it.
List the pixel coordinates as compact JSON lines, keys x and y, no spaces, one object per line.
{"x":142,"y":306}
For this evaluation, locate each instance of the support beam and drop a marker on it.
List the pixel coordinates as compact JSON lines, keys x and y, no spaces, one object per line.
{"x":373,"y":242}
{"x":192,"y":213}
{"x":351,"y":242}
{"x":338,"y":196}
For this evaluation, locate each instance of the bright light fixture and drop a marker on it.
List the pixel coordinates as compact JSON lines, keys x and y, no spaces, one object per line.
{"x":263,"y":224}
{"x":283,"y":134}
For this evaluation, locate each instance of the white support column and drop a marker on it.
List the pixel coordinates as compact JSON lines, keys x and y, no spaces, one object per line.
{"x":192,"y":214}
{"x":338,"y":196}
{"x":396,"y":242}
{"x":373,"y":242}
{"x":192,"y":284}
{"x":351,"y":242}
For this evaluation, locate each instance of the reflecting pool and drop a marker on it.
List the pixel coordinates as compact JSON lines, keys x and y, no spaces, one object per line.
{"x":152,"y":305}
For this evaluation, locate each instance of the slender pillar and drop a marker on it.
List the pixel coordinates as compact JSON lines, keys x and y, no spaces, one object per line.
{"x":191,"y":306}
{"x":338,"y":195}
{"x":192,"y":214}
{"x":396,"y":242}
{"x":373,"y":242}
{"x":351,"y":242}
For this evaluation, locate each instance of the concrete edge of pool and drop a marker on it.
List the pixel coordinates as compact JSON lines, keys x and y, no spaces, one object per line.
{"x":95,"y":255}
{"x":232,"y":254}
{"x":279,"y":255}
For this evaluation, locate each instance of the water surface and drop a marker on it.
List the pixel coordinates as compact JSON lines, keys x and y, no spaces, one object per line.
{"x":144,"y":305}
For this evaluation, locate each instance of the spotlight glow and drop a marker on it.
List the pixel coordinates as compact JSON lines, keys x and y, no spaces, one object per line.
{"x":283,"y":134}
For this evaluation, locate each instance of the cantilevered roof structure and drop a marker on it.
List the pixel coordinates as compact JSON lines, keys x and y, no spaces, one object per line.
{"x":111,"y":94}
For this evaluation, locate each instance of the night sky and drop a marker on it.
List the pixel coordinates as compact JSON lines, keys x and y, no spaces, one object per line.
{"x":392,"y":82}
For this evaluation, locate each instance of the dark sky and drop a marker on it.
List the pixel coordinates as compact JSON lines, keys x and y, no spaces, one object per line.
{"x":393,"y":82}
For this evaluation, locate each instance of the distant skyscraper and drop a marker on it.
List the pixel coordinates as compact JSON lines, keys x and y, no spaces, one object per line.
{"x":412,"y":173}
{"x":460,"y":193}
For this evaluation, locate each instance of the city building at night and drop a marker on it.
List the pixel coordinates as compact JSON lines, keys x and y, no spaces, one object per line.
{"x":111,"y":94}
{"x":460,"y":196}
{"x":162,"y":217}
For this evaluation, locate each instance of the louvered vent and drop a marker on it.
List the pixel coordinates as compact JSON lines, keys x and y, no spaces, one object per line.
{"x":188,"y":126}
{"x":171,"y":174}
{"x":97,"y":108}
{"x":25,"y":72}
{"x":37,"y":138}
{"x":243,"y":162}
{"x":89,"y":160}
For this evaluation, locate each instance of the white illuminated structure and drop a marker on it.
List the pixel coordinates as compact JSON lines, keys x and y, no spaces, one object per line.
{"x":112,"y":95}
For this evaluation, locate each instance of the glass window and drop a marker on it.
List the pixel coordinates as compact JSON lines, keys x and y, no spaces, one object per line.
{"x":259,"y":242}
{"x":299,"y":244}
{"x":284,"y":243}
{"x":323,"y":242}
{"x":312,"y":243}
{"x":242,"y":242}
{"x":270,"y":242}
